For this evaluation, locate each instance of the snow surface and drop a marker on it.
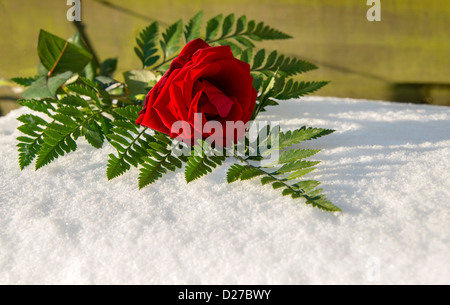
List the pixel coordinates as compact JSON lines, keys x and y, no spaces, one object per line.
{"x":387,"y":167}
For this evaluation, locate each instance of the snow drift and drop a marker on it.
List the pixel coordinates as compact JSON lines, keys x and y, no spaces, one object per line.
{"x":387,"y":167}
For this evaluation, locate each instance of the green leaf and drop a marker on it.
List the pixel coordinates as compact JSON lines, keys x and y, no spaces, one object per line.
{"x":46,"y":87}
{"x":286,"y":139}
{"x":32,"y":119}
{"x":306,"y":186}
{"x":293,"y":155}
{"x":29,"y":146}
{"x":93,"y":134}
{"x":246,"y":56}
{"x":234,"y":172}
{"x":285,"y":65}
{"x":74,"y":100}
{"x":130,"y":150}
{"x":250,"y":172}
{"x":200,"y":165}
{"x":44,"y":106}
{"x":146,"y":42}
{"x":234,"y":47}
{"x":55,"y":145}
{"x":58,"y":55}
{"x":297,"y":165}
{"x":108,"y":67}
{"x":259,"y":59}
{"x":158,"y":161}
{"x":266,"y":32}
{"x":257,"y":81}
{"x":138,"y":81}
{"x":25,"y":81}
{"x":213,"y":26}
{"x":299,"y":89}
{"x":193,"y":27}
{"x":322,"y":203}
{"x":240,"y":25}
{"x":244,"y":41}
{"x":84,"y":90}
{"x":150,"y":173}
{"x":299,"y":173}
{"x":271,"y":60}
{"x":267,"y":179}
{"x":116,"y":167}
{"x":171,"y":38}
{"x":227,"y":25}
{"x":130,"y":112}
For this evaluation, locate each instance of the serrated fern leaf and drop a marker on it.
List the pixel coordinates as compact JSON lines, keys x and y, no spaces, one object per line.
{"x":289,"y":138}
{"x":286,"y":172}
{"x":295,"y":166}
{"x":298,"y":89}
{"x":30,"y":144}
{"x":131,"y":146}
{"x":234,"y":172}
{"x":130,"y":141}
{"x":146,"y":48}
{"x":293,"y":155}
{"x":45,"y":105}
{"x":84,"y":90}
{"x":171,"y":38}
{"x":60,"y":135}
{"x":244,"y":31}
{"x":288,"y":66}
{"x":158,"y":161}
{"x":199,"y":164}
{"x":130,"y":112}
{"x":227,"y":25}
{"x":265,"y":32}
{"x":192,"y":30}
{"x":303,"y":189}
{"x":116,"y":167}
{"x":25,"y":81}
{"x":213,"y":27}
{"x":93,"y":134}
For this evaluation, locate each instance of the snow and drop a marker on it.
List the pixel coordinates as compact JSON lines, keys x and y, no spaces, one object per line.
{"x":387,"y":166}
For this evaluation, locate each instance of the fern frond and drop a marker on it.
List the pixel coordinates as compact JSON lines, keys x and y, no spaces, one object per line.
{"x":130,"y":112}
{"x":85,"y":90}
{"x":192,"y":29}
{"x":60,"y":135}
{"x":212,"y":27}
{"x":200,"y":164}
{"x":234,"y":172}
{"x":288,"y":66}
{"x":45,"y":105}
{"x":171,"y":38}
{"x":289,"y":138}
{"x":130,"y":141}
{"x":244,"y":31}
{"x":131,"y":147}
{"x":303,"y":189}
{"x":25,"y":81}
{"x":29,"y":145}
{"x":146,"y":42}
{"x":298,"y":89}
{"x":285,"y":174}
{"x":159,"y":160}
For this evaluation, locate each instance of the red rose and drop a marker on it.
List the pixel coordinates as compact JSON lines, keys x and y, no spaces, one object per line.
{"x":205,"y":80}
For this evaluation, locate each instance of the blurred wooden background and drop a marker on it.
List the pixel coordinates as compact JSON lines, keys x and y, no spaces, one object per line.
{"x":403,"y":58}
